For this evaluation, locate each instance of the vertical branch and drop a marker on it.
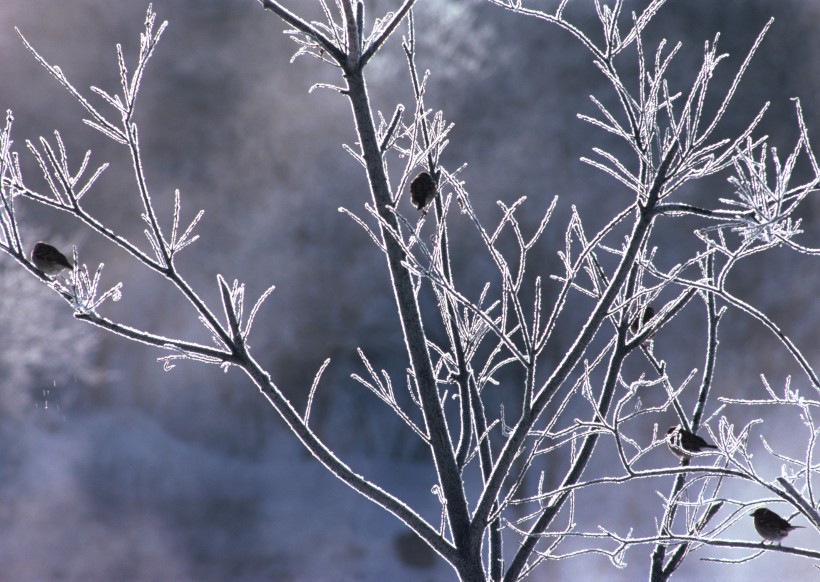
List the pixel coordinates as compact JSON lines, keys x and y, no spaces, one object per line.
{"x":713,"y":319}
{"x":469,"y":562}
{"x":656,"y":569}
{"x":658,"y":572}
{"x":463,"y":378}
{"x":150,"y":215}
{"x":578,"y":467}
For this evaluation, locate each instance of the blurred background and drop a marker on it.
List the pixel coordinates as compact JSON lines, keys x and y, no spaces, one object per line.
{"x":113,"y":469}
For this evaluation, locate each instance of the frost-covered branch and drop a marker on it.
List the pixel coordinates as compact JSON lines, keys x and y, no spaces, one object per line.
{"x":531,"y":368}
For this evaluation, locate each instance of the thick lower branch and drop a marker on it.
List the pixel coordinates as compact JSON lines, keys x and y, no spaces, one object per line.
{"x":345,"y":474}
{"x":442,"y":449}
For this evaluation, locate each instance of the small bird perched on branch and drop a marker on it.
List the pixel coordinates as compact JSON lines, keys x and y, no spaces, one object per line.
{"x":685,"y":444}
{"x":48,"y":259}
{"x":639,"y":321}
{"x":422,"y":190}
{"x":771,"y":526}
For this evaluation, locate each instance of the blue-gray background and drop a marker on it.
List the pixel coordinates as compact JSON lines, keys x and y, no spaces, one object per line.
{"x":112,"y":469}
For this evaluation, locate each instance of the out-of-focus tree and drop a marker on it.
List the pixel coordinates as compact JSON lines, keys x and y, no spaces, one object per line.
{"x":523,"y":388}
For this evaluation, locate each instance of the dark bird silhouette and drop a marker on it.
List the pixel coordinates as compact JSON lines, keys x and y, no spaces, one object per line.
{"x":771,"y":526}
{"x":685,"y":444}
{"x":48,"y":259}
{"x":639,"y":322}
{"x":422,"y":190}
